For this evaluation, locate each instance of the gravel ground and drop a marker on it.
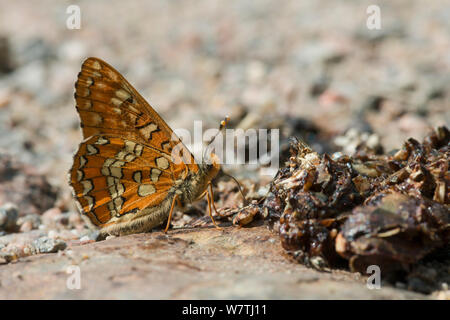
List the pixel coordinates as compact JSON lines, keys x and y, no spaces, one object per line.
{"x":306,"y":67}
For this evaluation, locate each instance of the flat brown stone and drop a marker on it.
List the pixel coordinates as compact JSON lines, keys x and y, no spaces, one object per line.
{"x":198,"y":263}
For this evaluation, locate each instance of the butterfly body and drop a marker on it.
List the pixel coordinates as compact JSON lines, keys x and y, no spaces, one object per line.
{"x":131,"y":168}
{"x":194,"y":185}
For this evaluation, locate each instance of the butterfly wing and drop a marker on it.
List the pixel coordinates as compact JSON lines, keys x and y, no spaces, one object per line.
{"x":112,"y":177}
{"x":126,"y":162}
{"x":107,"y":103}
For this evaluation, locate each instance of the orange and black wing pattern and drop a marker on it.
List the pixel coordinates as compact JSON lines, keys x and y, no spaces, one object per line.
{"x":112,"y":176}
{"x":126,"y":163}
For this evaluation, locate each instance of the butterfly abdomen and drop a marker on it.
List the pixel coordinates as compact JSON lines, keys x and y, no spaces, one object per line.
{"x":143,"y":221}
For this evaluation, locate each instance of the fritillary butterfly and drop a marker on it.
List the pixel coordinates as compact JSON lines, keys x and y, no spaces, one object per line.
{"x":125,"y":177}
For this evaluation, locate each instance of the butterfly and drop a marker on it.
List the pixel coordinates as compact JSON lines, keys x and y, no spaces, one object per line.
{"x":131,"y":169}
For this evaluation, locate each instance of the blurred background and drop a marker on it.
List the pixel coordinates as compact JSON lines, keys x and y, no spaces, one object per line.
{"x":309,"y":68}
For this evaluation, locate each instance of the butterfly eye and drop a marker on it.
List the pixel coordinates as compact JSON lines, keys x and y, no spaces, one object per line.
{"x":214,"y":159}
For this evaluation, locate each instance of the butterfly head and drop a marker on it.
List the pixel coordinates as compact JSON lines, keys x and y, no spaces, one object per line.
{"x":212,"y":166}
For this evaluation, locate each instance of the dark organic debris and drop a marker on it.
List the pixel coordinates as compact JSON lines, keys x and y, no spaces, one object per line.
{"x":8,"y":217}
{"x":393,"y":232}
{"x":247,"y":214}
{"x":389,"y":210}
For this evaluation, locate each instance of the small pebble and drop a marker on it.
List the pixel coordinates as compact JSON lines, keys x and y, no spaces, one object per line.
{"x":17,"y":275}
{"x":91,"y":236}
{"x":84,"y":238}
{"x":51,"y":215}
{"x":52,"y":234}
{"x":48,"y":245}
{"x":26,"y":226}
{"x":29,"y":222}
{"x":8,"y":217}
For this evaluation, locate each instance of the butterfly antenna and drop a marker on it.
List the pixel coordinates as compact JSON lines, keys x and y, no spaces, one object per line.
{"x":239,"y":186}
{"x":222,"y":126}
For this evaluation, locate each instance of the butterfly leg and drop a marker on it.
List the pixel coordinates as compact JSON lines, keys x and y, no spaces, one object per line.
{"x":212,"y":201}
{"x":170,"y":213}
{"x":208,"y":197}
{"x":212,"y":198}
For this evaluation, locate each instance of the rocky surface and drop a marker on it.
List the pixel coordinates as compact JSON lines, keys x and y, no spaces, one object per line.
{"x":311,"y":69}
{"x":198,"y":263}
{"x":388,"y":211}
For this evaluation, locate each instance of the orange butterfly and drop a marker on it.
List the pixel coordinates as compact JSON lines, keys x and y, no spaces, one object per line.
{"x":125,"y":177}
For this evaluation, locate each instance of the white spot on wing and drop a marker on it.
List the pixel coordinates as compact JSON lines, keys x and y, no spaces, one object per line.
{"x":162,"y":163}
{"x":155,"y":173}
{"x":122,"y":94}
{"x":87,"y":186}
{"x":147,"y":130}
{"x":91,"y":149}
{"x":137,"y":176}
{"x":146,"y":190}
{"x":96,"y":65}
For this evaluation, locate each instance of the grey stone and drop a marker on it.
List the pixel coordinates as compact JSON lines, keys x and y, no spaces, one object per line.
{"x":8,"y":217}
{"x":48,"y":245}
